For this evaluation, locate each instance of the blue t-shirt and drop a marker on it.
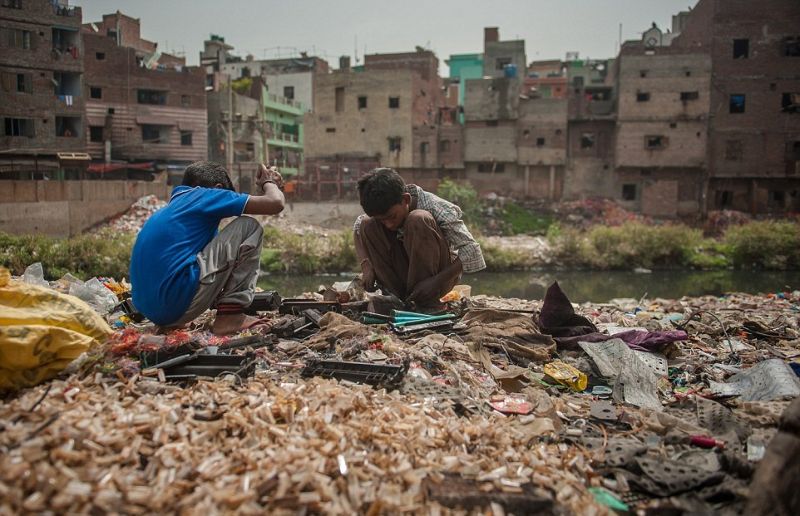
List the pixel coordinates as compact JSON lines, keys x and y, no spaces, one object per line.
{"x":164,"y":269}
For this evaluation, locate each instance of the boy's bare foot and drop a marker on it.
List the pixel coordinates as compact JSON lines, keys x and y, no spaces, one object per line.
{"x":227,"y":324}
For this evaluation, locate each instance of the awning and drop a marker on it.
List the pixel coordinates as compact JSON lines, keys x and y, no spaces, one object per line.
{"x":102,"y":168}
{"x":73,"y":156}
{"x":153,"y":120}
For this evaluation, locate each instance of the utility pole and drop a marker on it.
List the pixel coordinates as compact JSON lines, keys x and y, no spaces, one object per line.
{"x":229,"y":133}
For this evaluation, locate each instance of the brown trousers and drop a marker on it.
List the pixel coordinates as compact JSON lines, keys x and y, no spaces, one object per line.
{"x":400,"y":265}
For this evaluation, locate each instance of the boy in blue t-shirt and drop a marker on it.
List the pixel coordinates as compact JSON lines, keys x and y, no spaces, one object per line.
{"x":182,"y":265}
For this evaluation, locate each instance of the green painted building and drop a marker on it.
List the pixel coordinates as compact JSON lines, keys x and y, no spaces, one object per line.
{"x":285,"y":143}
{"x":463,"y":67}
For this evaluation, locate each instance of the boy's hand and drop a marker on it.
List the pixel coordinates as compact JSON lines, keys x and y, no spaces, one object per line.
{"x":268,"y":175}
{"x":426,"y":292}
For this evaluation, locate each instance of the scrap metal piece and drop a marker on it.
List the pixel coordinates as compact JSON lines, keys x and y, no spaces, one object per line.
{"x":669,"y":477}
{"x":296,"y":306}
{"x":456,"y":491}
{"x":264,"y":302}
{"x":603,"y":410}
{"x":359,"y":372}
{"x":433,"y":325}
{"x":212,"y":366}
{"x":766,"y":381}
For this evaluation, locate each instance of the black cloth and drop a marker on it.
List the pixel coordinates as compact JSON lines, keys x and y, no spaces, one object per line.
{"x":558,"y":318}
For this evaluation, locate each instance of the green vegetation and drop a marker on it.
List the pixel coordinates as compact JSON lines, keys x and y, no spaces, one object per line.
{"x":766,"y":245}
{"x":464,"y":196}
{"x":97,"y":254}
{"x":516,"y":220}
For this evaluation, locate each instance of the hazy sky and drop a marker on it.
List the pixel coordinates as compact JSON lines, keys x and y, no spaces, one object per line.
{"x":330,"y":28}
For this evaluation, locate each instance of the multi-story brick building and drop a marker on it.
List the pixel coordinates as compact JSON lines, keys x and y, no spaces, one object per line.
{"x":142,"y":105}
{"x":393,"y":112}
{"x":41,"y":90}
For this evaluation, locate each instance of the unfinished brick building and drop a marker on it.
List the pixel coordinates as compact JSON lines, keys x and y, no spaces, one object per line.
{"x":142,"y":105}
{"x":41,"y":97}
{"x":392,"y":112}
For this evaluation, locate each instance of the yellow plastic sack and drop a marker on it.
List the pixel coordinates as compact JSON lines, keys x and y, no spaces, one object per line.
{"x":41,"y":332}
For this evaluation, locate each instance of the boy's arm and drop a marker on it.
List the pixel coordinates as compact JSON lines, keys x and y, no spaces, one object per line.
{"x":271,"y":200}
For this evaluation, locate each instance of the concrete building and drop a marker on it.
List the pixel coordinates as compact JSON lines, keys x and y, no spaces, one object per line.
{"x":143,"y":106}
{"x":462,"y":68}
{"x":502,"y":58}
{"x":393,"y":113}
{"x":546,"y":79}
{"x":292,"y":79}
{"x":754,"y":123}
{"x":661,"y":133}
{"x":266,"y":126}
{"x":42,"y":97}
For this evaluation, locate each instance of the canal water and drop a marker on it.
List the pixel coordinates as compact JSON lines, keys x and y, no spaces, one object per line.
{"x":582,"y":286}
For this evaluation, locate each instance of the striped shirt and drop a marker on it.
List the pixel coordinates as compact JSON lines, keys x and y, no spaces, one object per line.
{"x":448,"y":216}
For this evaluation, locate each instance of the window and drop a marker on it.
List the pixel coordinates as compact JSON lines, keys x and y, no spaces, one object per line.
{"x":100,"y":56}
{"x":151,"y":134}
{"x":362,"y":102}
{"x":629,"y":192}
{"x":288,"y":92}
{"x":642,"y":96}
{"x":491,"y":123}
{"x":110,"y":111}
{"x":673,"y":125}
{"x":186,"y":101}
{"x":491,"y":168}
{"x":423,"y":147}
{"x":151,"y":97}
{"x":723,"y":198}
{"x":791,"y":47}
{"x":688,"y":73}
{"x":18,"y":127}
{"x":741,"y":48}
{"x":689,"y":95}
{"x":68,"y":126}
{"x":394,"y":102}
{"x":339,"y":99}
{"x":502,"y":62}
{"x":95,"y":92}
{"x":655,"y":141}
{"x":737,"y":103}
{"x":19,"y":38}
{"x":24,"y":83}
{"x":330,"y":129}
{"x":643,"y":73}
{"x":526,"y":133}
{"x":540,"y":142}
{"x":444,"y":146}
{"x":790,"y":103}
{"x":96,"y":133}
{"x":394,"y":143}
{"x":777,"y":198}
{"x":186,"y":138}
{"x":587,"y":140}
{"x":13,"y":4}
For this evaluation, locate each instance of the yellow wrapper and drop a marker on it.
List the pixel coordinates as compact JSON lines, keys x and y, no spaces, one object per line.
{"x":567,"y":375}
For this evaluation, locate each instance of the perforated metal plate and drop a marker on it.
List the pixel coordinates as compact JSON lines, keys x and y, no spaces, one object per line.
{"x":668,"y":477}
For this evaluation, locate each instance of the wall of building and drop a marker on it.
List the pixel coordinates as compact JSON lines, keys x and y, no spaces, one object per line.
{"x":496,"y":52}
{"x":302,"y":82}
{"x":490,"y":143}
{"x":363,"y":132}
{"x":491,"y":99}
{"x":119,"y":78}
{"x":542,"y":132}
{"x":39,"y":64}
{"x":66,"y":208}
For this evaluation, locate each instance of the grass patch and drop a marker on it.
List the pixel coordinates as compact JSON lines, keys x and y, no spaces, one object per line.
{"x":517,"y":221}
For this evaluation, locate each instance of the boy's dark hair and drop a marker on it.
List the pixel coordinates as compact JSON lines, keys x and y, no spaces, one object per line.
{"x":379,"y":190}
{"x":207,"y":174}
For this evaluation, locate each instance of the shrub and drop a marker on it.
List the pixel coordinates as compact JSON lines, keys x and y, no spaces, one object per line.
{"x":464,"y":196}
{"x":518,"y":220}
{"x":765,"y":244}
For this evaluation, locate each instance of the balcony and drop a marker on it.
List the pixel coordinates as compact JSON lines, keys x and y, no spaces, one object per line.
{"x":285,"y":140}
{"x":66,"y":44}
{"x":63,"y":9}
{"x":278,"y":103}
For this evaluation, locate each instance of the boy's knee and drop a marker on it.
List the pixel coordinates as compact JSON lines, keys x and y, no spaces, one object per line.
{"x":248,"y":224}
{"x":419,"y":219}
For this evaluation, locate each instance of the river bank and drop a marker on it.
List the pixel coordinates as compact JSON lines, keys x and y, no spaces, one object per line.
{"x":289,"y":249}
